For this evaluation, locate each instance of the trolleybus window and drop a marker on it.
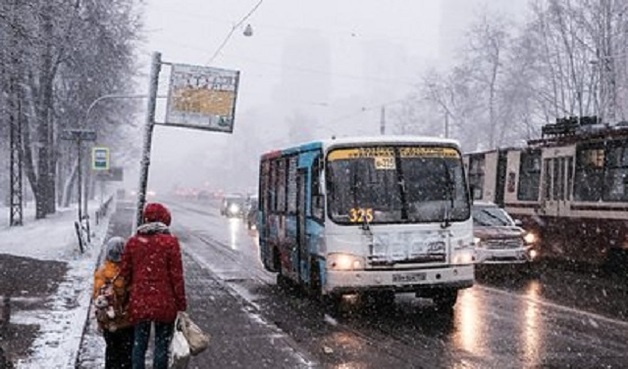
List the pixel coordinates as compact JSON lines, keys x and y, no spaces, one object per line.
{"x":616,"y":174}
{"x":589,"y":173}
{"x":387,"y":184}
{"x":529,"y":176}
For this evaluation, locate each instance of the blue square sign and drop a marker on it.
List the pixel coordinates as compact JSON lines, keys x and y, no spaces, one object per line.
{"x":100,"y":158}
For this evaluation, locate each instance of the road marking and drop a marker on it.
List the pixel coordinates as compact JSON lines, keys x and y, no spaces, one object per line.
{"x":562,"y":308}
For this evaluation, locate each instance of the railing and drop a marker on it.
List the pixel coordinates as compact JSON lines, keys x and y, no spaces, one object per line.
{"x":103,"y":210}
{"x":82,"y":227}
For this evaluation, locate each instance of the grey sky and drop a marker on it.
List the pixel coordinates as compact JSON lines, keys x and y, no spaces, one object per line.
{"x":326,"y":59}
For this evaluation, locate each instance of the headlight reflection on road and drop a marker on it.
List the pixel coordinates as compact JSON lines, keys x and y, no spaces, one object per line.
{"x":470,"y":323}
{"x":532,"y":333}
{"x":234,"y":228}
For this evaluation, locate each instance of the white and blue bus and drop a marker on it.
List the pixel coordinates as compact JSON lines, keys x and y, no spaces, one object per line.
{"x":374,"y":216}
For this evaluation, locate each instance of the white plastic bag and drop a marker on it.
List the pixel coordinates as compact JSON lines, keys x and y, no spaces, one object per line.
{"x":179,"y":351}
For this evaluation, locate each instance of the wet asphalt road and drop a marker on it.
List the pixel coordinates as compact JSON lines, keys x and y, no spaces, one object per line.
{"x":508,"y":320}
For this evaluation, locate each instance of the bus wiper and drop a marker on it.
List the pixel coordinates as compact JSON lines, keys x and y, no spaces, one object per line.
{"x":449,"y":187}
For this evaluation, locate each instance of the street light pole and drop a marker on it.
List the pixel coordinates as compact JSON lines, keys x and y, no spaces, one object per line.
{"x":86,"y":119}
{"x":148,"y":137}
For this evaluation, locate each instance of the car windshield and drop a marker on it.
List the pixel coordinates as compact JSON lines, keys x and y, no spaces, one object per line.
{"x":490,"y":216}
{"x":396,"y":184}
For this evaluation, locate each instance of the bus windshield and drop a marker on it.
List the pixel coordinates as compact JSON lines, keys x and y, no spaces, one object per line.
{"x":396,"y":184}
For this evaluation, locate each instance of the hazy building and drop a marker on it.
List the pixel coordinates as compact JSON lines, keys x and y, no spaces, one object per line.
{"x":305,"y":77}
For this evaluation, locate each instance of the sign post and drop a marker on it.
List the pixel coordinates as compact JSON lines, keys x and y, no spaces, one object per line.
{"x":148,"y":137}
{"x":79,"y":135}
{"x":198,"y":97}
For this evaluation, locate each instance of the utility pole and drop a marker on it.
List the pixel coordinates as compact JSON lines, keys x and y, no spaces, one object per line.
{"x":446,"y":124}
{"x":382,"y":121}
{"x":148,"y":137}
{"x":16,"y":212}
{"x":78,"y":136}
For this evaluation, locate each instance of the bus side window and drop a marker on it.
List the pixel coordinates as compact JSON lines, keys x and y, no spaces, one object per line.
{"x":318,"y":199}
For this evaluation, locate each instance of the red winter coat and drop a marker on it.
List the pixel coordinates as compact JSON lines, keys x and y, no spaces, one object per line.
{"x":152,"y":263}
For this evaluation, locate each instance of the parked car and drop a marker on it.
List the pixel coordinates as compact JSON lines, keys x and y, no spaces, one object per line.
{"x":498,"y":238}
{"x":232,"y":206}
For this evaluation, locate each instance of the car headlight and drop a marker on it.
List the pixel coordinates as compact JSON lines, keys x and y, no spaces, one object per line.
{"x":529,"y":238}
{"x":234,"y":208}
{"x":339,"y":261}
{"x":463,"y":257}
{"x":534,"y":254}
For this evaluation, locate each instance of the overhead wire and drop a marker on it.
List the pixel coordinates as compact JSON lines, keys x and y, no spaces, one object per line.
{"x":240,"y":22}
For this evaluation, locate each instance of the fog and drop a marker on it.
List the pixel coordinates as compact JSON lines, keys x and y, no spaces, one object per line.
{"x":310,"y":70}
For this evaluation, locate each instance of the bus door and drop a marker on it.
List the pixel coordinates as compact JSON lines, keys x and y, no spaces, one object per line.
{"x":557,"y":184}
{"x":302,"y":252}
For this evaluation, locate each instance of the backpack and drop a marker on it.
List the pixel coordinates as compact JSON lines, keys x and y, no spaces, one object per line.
{"x":105,"y":305}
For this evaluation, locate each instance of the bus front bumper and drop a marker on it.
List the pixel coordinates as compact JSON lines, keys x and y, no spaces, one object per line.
{"x":454,"y":277}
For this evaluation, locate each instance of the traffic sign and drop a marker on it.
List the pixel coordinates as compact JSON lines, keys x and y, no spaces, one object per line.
{"x":78,"y":134}
{"x":114,"y":174}
{"x":100,"y":158}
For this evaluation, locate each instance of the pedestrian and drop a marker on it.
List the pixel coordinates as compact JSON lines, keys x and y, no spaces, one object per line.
{"x":110,"y":300}
{"x":152,"y":263}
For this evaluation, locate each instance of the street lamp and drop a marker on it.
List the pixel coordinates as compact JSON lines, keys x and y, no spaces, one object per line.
{"x":248,"y":30}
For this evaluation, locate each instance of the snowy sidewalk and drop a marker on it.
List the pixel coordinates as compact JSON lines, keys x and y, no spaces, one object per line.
{"x":55,"y":311}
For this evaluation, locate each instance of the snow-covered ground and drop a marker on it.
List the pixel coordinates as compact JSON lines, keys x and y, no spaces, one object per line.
{"x":61,"y":323}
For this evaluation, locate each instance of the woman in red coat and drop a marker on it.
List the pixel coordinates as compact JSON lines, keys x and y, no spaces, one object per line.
{"x":152,"y":263}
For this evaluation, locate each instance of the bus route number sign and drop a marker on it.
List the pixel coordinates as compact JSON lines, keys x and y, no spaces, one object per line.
{"x":385,"y":163}
{"x":360,"y":215}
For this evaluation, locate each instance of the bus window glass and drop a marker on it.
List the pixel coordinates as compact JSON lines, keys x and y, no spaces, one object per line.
{"x":273,"y":186}
{"x":396,"y":184}
{"x":281,"y":186}
{"x":292,"y":185}
{"x":264,"y":188}
{"x":529,"y":176}
{"x":317,"y":205}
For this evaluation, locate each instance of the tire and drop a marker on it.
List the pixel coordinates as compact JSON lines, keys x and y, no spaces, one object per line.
{"x":444,"y":300}
{"x":330,"y":302}
{"x":316,"y":287}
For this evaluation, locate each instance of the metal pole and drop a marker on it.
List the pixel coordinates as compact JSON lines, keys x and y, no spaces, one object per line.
{"x":446,"y":124}
{"x":79,"y":179}
{"x":148,"y":137}
{"x":382,"y":126}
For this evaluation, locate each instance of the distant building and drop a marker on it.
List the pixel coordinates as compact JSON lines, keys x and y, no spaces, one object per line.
{"x":306,"y":57}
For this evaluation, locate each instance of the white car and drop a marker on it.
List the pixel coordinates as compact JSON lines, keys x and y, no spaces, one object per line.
{"x":498,"y":239}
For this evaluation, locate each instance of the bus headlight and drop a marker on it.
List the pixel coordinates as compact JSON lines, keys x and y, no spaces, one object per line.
{"x":529,"y":238}
{"x":477,"y":242}
{"x":339,"y":261}
{"x":462,"y":257}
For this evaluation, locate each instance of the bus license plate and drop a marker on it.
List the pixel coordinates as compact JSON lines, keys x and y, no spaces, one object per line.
{"x":408,"y":277}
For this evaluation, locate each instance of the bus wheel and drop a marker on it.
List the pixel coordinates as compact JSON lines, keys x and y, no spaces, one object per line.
{"x":445,"y":299}
{"x":316,"y":287}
